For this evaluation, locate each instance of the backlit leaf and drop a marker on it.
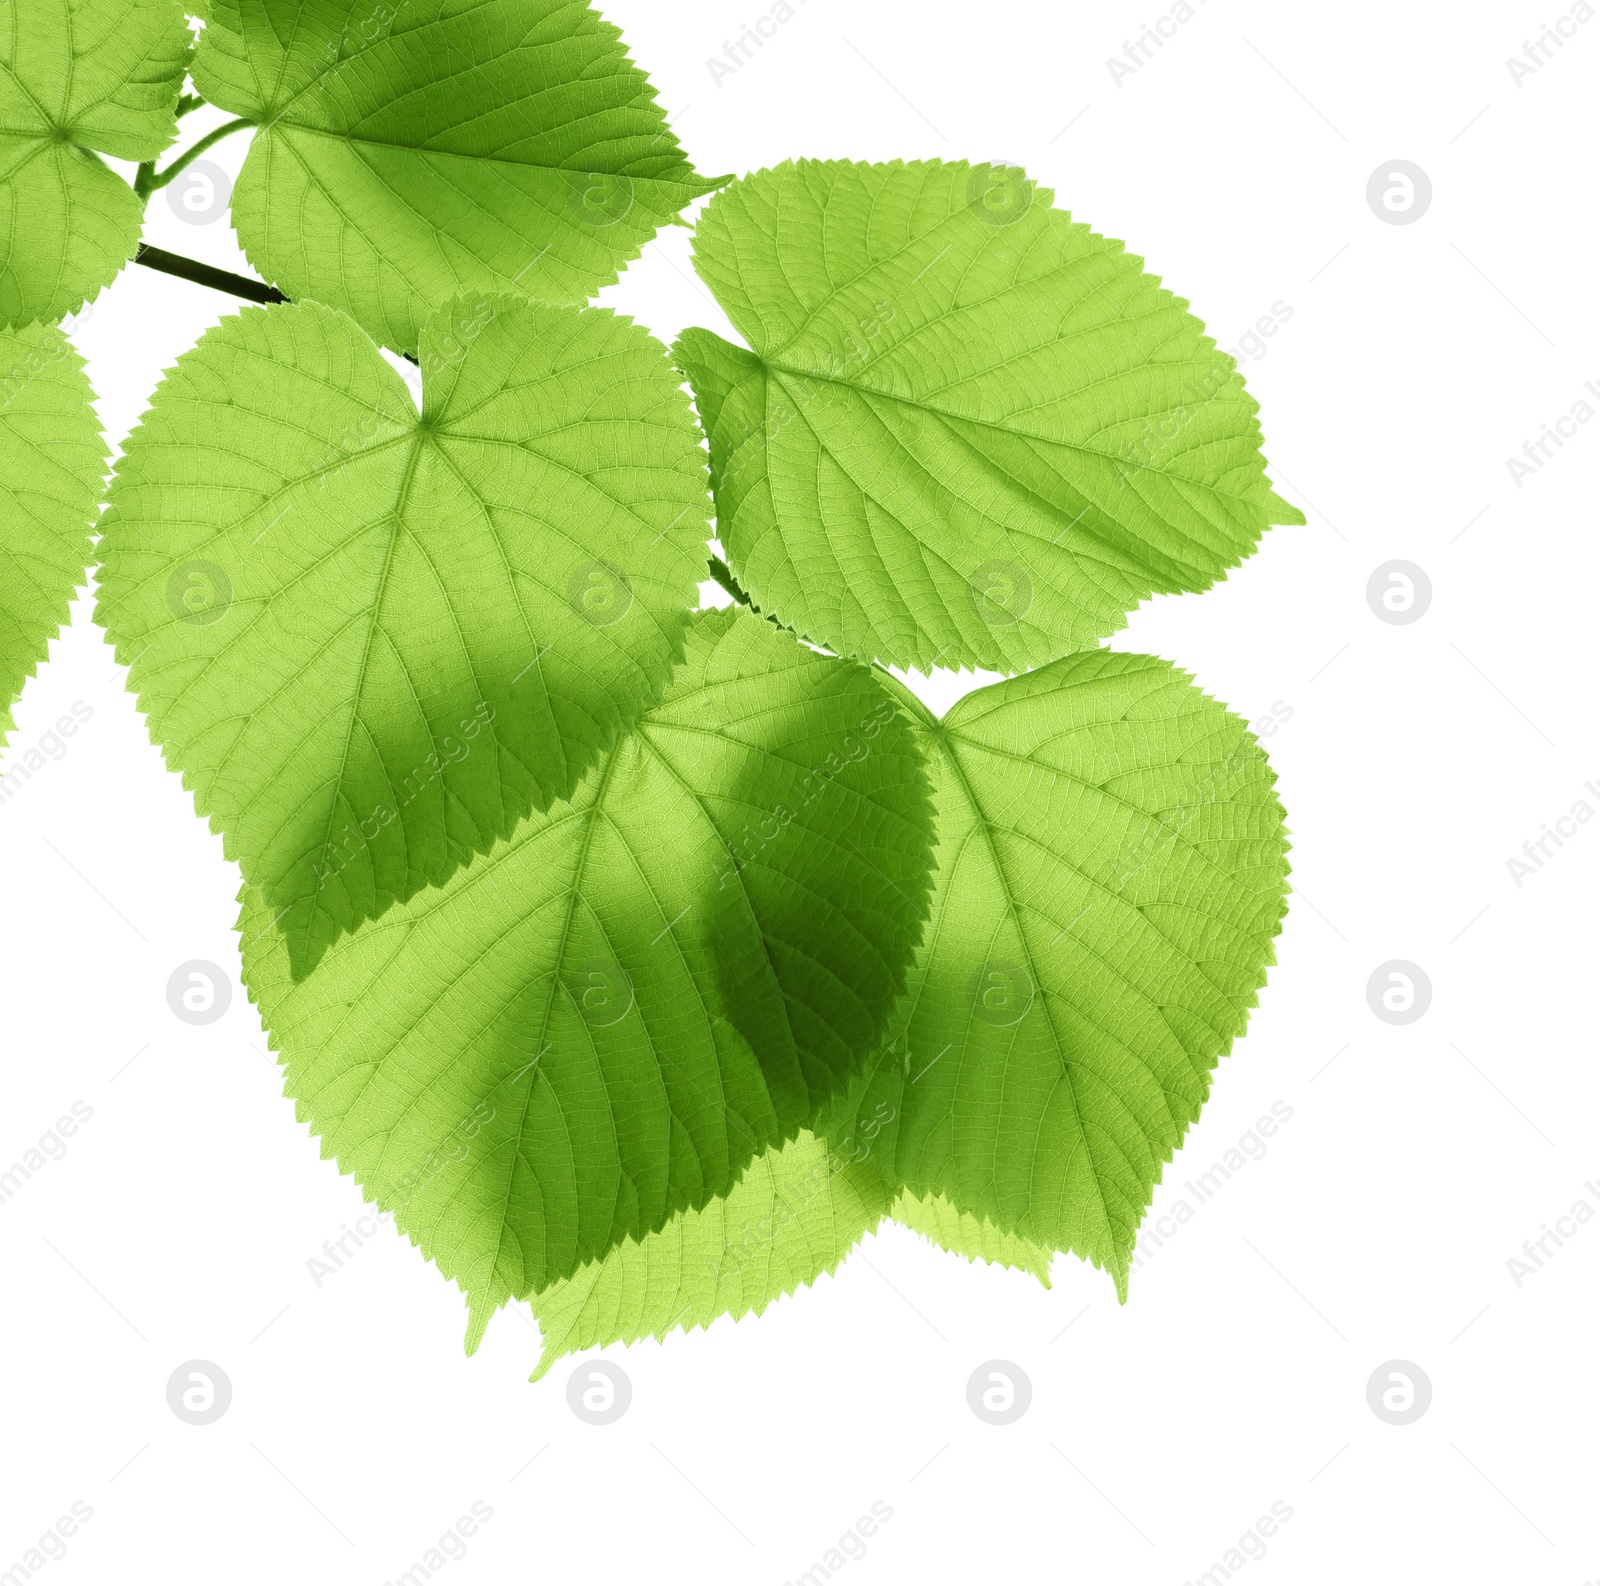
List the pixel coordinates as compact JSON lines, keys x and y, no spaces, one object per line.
{"x":966,"y":430}
{"x":410,"y":150}
{"x":600,"y":1023}
{"x":78,"y":79}
{"x":970,"y":1237}
{"x":372,"y":639}
{"x":1112,"y":872}
{"x":794,"y":1215}
{"x":52,"y":474}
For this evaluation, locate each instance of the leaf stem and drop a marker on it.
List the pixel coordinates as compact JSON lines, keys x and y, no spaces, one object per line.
{"x":150,"y":179}
{"x":207,"y":275}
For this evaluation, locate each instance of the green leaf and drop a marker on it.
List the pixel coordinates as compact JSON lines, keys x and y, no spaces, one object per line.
{"x":1112,"y":875}
{"x":797,"y":1211}
{"x":410,"y":150}
{"x":966,"y":431}
{"x":971,"y":1237}
{"x":601,"y":1022}
{"x":374,"y":640}
{"x":795,"y":1214}
{"x":52,"y":475}
{"x":79,"y":79}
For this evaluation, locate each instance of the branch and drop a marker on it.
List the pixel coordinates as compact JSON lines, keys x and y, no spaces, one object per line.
{"x":252,"y":291}
{"x":207,"y":275}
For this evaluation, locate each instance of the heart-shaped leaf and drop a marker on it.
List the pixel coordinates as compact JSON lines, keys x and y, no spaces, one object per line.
{"x":373,"y":639}
{"x":1112,"y":871}
{"x":78,"y":79}
{"x":410,"y":150}
{"x":599,"y":1023}
{"x":967,"y":431}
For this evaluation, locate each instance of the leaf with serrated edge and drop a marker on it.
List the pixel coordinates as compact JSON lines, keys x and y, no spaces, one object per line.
{"x":411,"y":150}
{"x":966,"y":431}
{"x":795,"y":1214}
{"x":1112,"y":876}
{"x":972,"y":1238}
{"x":79,"y":79}
{"x":602,"y":1021}
{"x":374,"y":640}
{"x":52,"y":474}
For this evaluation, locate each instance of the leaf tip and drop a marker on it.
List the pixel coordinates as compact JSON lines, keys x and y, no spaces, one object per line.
{"x":480,"y":1312}
{"x":1280,"y":511}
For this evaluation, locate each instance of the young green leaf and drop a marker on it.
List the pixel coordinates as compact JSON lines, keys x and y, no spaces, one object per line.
{"x":967,"y":431}
{"x":52,"y":474}
{"x":373,"y":640}
{"x":1112,"y":875}
{"x":411,"y":150}
{"x":78,"y":79}
{"x":602,"y":1021}
{"x":970,"y":1237}
{"x":796,"y":1213}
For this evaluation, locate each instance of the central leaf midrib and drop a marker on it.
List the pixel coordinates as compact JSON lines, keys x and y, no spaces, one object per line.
{"x":1013,"y":431}
{"x":288,"y":124}
{"x":953,"y":759}
{"x":644,"y":737}
{"x":591,"y":820}
{"x":396,"y":531}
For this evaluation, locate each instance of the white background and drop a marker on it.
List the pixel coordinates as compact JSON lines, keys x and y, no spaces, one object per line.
{"x":1418,"y":759}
